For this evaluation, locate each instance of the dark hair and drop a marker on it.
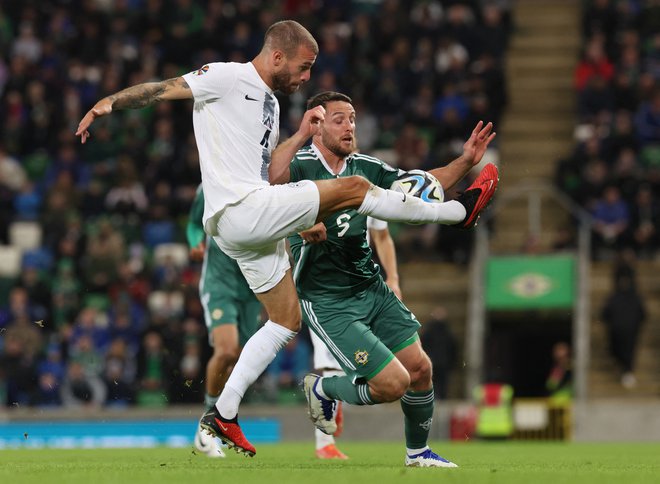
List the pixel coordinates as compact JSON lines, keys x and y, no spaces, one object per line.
{"x":288,"y":36}
{"x":325,"y":97}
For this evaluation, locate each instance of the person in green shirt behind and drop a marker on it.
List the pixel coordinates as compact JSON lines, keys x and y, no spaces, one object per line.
{"x":231,"y":312}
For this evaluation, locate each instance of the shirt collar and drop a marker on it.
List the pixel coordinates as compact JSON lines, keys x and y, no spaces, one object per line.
{"x":317,"y":152}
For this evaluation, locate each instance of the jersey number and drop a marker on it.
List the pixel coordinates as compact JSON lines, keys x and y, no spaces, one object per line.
{"x":342,"y":223}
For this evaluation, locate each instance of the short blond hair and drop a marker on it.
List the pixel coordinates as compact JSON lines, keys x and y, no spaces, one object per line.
{"x":288,"y":36}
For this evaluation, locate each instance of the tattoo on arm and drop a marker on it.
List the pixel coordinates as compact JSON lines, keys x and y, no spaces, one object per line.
{"x":146,"y":94}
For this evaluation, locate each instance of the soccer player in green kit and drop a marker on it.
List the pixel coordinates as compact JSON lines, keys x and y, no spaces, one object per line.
{"x":344,"y":299}
{"x":231,"y":312}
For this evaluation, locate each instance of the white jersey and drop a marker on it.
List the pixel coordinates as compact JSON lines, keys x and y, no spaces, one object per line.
{"x":236,"y":119}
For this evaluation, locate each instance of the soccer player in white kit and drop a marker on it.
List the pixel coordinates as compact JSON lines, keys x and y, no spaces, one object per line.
{"x":236,"y":124}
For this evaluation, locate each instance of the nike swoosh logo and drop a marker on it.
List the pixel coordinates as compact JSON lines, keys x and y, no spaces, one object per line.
{"x":404,"y":197}
{"x":248,"y":98}
{"x":222,"y":427}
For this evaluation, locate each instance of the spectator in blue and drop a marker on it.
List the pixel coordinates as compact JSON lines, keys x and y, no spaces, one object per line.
{"x":611,"y":219}
{"x":50,"y":374}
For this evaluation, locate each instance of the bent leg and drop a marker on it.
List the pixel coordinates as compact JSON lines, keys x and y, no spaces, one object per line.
{"x":357,"y":192}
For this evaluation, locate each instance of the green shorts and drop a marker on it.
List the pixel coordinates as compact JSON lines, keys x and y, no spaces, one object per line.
{"x":226,"y":296}
{"x":362,"y":331}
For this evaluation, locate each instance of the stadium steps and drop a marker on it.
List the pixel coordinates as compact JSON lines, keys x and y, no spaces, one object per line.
{"x":604,"y":375}
{"x":539,"y":120}
{"x":428,"y":285}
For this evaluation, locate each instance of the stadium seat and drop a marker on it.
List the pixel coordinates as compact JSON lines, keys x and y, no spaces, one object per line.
{"x":25,"y":235}
{"x":178,"y":253}
{"x":10,"y":260}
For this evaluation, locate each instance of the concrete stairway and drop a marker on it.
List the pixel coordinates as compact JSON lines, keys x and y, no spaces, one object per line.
{"x":604,"y":375}
{"x":537,"y":128}
{"x":427,"y":285}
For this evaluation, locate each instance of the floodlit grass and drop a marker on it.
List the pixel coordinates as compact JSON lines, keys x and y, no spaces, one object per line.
{"x":375,"y":462}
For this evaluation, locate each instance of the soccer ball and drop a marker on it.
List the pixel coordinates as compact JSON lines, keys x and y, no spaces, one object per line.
{"x":420,"y":184}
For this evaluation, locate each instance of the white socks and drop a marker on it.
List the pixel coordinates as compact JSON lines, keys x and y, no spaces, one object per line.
{"x":322,"y":439}
{"x":257,"y":354}
{"x":396,"y":207}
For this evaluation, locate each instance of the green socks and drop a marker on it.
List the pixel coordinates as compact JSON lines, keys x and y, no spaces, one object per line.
{"x":418,"y":410}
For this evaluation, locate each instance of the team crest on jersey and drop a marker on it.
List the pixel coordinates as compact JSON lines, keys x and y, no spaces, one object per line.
{"x":217,"y":313}
{"x":201,"y":71}
{"x":361,"y":357}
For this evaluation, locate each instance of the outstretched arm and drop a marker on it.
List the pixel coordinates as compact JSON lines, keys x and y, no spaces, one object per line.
{"x":473,"y":150}
{"x":135,"y":97}
{"x":278,"y":171}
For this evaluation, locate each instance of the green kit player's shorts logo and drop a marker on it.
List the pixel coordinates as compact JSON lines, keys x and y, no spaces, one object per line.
{"x":361,"y":357}
{"x":217,"y":313}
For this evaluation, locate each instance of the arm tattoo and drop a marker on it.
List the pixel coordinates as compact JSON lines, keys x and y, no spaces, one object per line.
{"x":146,"y":94}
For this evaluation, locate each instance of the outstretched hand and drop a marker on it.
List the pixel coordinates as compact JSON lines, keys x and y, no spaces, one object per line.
{"x":101,"y":108}
{"x":475,"y":147}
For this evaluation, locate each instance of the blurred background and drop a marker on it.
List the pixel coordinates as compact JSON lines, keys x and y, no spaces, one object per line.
{"x":541,"y":323}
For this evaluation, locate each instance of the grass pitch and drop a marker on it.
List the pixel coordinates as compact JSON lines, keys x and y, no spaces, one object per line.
{"x":381,"y":463}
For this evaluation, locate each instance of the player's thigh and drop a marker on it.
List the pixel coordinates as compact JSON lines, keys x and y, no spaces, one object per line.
{"x":267,"y":215}
{"x":323,"y":357}
{"x":339,"y":324}
{"x":391,"y":321}
{"x":263,"y":268}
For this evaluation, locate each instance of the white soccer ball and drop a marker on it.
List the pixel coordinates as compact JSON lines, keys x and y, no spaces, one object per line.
{"x":420,"y":184}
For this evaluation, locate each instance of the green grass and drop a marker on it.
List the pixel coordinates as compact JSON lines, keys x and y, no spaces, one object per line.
{"x":380,"y":463}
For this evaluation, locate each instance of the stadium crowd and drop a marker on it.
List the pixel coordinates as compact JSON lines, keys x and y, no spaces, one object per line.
{"x":614,"y":169}
{"x":102,"y":309}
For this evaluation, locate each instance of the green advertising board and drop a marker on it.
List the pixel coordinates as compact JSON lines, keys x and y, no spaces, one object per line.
{"x":530,"y":282}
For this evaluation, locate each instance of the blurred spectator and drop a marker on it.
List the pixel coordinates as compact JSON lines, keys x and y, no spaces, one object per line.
{"x":645,"y":219}
{"x":119,"y":372}
{"x":560,"y":379}
{"x":81,"y":389}
{"x":611,"y":218}
{"x":50,"y":374}
{"x":440,"y":345}
{"x":623,"y":313}
{"x":154,"y":371}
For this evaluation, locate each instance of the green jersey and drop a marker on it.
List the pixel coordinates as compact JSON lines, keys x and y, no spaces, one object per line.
{"x":342,"y":265}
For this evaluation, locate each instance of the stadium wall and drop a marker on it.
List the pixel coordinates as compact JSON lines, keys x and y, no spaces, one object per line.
{"x":602,"y":421}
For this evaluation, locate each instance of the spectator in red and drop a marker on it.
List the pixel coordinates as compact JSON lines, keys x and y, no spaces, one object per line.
{"x":594,"y":63}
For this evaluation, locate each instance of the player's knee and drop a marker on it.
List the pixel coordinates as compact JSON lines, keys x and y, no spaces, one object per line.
{"x":356,"y":184}
{"x":290,"y":319}
{"x":226,"y":354}
{"x":421,"y":373}
{"x":394,"y":388}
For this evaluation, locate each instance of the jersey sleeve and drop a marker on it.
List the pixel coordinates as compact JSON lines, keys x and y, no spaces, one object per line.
{"x":211,"y":81}
{"x":385,"y":175}
{"x":195,"y":229}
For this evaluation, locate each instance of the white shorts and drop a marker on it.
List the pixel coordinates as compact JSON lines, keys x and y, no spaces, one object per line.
{"x":323,"y":359}
{"x":252,"y":231}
